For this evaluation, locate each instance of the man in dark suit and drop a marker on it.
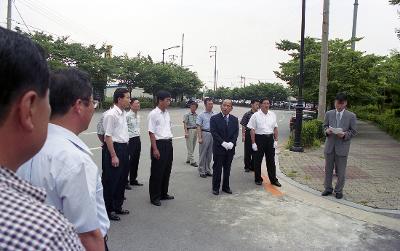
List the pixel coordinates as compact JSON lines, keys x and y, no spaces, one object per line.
{"x":340,"y":127}
{"x":224,"y":128}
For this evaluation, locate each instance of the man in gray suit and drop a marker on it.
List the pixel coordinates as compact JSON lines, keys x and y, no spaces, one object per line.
{"x":340,"y":127}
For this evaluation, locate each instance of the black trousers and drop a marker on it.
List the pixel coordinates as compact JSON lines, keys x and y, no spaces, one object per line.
{"x":265,"y":145}
{"x":135,"y":147}
{"x":160,"y":170}
{"x":248,"y":152}
{"x":114,"y":178}
{"x":221,"y":162}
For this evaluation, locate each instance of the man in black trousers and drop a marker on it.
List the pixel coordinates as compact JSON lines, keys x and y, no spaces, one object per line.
{"x":161,"y":149}
{"x":246,"y":137}
{"x":224,"y":128}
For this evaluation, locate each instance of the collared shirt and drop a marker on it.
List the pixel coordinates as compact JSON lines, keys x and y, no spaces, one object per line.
{"x":245,"y":119}
{"x":65,"y":169}
{"x":160,"y":124}
{"x":190,"y":119}
{"x":203,"y":120}
{"x":133,"y":120}
{"x":263,"y":123}
{"x":341,"y":113}
{"x":27,"y":223}
{"x":115,"y":125}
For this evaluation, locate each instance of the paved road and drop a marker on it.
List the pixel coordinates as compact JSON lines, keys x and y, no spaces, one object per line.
{"x":253,"y":218}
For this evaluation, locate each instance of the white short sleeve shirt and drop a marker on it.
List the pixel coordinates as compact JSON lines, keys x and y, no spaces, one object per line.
{"x":115,"y":125}
{"x":159,"y":124}
{"x":263,"y":123}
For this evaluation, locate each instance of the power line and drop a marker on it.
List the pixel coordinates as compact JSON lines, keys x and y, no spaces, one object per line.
{"x":21,"y":16}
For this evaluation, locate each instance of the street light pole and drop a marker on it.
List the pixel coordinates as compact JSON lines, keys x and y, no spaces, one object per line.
{"x":215,"y":65}
{"x":300,"y":106}
{"x":164,"y":50}
{"x":353,"y":34}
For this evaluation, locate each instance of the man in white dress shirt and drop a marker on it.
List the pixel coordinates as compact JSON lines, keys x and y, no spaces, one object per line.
{"x":161,"y":149}
{"x":264,"y":138}
{"x":115,"y":160}
{"x":64,"y":166}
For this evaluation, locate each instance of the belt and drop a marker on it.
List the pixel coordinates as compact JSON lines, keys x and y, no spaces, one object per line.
{"x":191,"y":127}
{"x":117,"y":143}
{"x":164,"y":140}
{"x":205,"y":130}
{"x":265,"y":135}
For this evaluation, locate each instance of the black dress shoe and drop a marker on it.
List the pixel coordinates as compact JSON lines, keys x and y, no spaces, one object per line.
{"x":194,"y":164}
{"x":326,"y":193}
{"x":276,"y":183}
{"x":203,"y":175}
{"x":113,"y":216}
{"x":128,"y":187}
{"x":209,"y":174}
{"x":122,"y":211}
{"x":339,"y":195}
{"x":136,"y":183}
{"x":258,"y":183}
{"x":227,"y":190}
{"x":247,"y":170}
{"x":167,"y":197}
{"x":156,"y":203}
{"x":215,"y":192}
{"x":187,"y":162}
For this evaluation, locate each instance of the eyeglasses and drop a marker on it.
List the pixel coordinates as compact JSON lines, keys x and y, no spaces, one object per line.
{"x":94,"y":102}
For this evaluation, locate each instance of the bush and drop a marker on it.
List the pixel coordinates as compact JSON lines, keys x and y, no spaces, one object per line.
{"x":312,"y":134}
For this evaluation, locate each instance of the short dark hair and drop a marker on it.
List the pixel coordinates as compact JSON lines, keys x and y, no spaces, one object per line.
{"x":119,"y":93}
{"x":66,"y":87}
{"x":207,"y":100}
{"x":254,"y":100}
{"x":133,"y":100}
{"x":161,"y":95}
{"x":193,"y":103}
{"x":341,"y":96}
{"x":23,"y":68}
{"x":263,"y":99}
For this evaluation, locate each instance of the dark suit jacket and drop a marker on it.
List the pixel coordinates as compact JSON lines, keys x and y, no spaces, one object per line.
{"x":348,"y":123}
{"x":221,"y":132}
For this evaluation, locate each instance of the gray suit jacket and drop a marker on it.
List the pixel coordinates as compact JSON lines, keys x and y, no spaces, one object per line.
{"x":333,"y":143}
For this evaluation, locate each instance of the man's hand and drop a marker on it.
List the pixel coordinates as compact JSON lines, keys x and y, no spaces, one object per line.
{"x":186,"y":135}
{"x":341,"y":135}
{"x":243,"y":137}
{"x":329,"y":131}
{"x":276,"y":144}
{"x":254,"y":147}
{"x":200,"y":141}
{"x":115,"y":161}
{"x":230,"y":145}
{"x":156,"y":154}
{"x":225,"y":145}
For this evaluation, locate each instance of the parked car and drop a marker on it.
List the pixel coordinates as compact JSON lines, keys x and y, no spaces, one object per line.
{"x":307,"y":115}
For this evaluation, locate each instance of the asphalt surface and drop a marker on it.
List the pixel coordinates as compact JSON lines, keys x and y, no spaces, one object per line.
{"x":252,"y":218}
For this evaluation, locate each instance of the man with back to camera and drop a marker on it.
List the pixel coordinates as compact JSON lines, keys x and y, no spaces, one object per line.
{"x":340,"y":127}
{"x":64,"y":167}
{"x":24,"y":115}
{"x":246,"y":136}
{"x":205,"y":138}
{"x":115,"y":161}
{"x":159,"y":127}
{"x":224,"y":128}
{"x":189,"y":126}
{"x":135,"y":145}
{"x":264,"y":138}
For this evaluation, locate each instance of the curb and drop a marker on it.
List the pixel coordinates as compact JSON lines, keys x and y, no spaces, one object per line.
{"x":387,"y":212}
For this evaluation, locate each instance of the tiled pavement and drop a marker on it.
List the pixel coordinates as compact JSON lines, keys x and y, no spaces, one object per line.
{"x":373,"y":168}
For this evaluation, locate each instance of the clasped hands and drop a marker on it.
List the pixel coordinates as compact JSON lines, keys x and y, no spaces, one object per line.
{"x":227,"y":145}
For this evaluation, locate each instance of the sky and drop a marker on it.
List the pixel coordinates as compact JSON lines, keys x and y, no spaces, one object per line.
{"x":244,"y":31}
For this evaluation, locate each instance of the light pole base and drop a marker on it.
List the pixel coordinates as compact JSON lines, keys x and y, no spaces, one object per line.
{"x":298,"y":149}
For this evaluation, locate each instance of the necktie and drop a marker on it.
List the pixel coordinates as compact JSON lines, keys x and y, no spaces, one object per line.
{"x":226,"y":119}
{"x":337,"y":119}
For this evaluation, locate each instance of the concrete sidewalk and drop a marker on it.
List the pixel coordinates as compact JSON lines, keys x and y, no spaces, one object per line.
{"x":373,"y":168}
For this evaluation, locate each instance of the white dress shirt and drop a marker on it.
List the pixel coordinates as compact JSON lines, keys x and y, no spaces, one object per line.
{"x":65,"y":169}
{"x":160,"y":124}
{"x":115,"y":125}
{"x":133,"y":120}
{"x":263,"y":123}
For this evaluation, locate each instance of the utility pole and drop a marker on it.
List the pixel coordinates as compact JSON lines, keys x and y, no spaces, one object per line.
{"x":183,"y":38}
{"x":215,"y":65}
{"x":323,"y":73}
{"x":353,"y":35}
{"x":243,"y":80}
{"x":9,"y":15}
